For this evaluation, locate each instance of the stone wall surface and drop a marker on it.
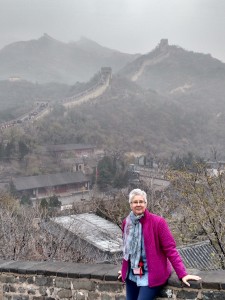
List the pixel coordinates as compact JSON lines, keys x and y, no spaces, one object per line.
{"x":26,"y":280}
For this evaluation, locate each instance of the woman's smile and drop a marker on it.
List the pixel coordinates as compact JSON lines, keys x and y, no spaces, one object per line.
{"x":138,"y":205}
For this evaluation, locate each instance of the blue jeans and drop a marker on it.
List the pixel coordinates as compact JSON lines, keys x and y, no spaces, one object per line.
{"x":134,"y":292}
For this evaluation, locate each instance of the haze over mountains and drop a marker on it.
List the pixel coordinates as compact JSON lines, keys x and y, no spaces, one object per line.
{"x":167,"y":100}
{"x":48,"y":60}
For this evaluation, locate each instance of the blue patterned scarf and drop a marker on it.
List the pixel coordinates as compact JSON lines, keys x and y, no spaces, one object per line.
{"x":132,"y":239}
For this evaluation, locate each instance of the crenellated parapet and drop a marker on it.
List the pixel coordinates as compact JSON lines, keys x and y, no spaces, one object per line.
{"x":64,"y":280}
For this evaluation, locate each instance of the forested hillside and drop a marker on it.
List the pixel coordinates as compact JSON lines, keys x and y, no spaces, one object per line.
{"x":133,"y":119}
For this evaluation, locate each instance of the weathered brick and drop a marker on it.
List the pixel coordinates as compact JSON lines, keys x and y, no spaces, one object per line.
{"x":107,"y":297}
{"x":21,"y":290}
{"x":110,"y":287}
{"x":211,"y":285}
{"x":7,"y":279}
{"x":213,"y":295}
{"x":31,"y":291}
{"x":6,"y":297}
{"x":64,"y":294}
{"x":51,"y":290}
{"x":166,"y":293}
{"x":30,"y":280}
{"x":93,"y":296}
{"x":43,"y":280}
{"x":20,"y":297}
{"x":63,"y":283}
{"x":120,"y":297}
{"x":187,"y":295}
{"x":80,"y":296}
{"x":87,"y":285}
{"x":5,"y":288}
{"x":43,"y":291}
{"x":12,"y":289}
{"x":21,"y":279}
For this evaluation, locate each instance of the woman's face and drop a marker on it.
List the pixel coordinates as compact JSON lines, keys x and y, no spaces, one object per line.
{"x":138,"y":205}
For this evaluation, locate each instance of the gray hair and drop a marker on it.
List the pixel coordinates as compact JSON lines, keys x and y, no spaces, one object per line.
{"x":137,"y":192}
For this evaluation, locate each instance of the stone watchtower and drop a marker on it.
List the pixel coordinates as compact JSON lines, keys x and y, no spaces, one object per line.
{"x":106,"y":71}
{"x":163,"y":44}
{"x":106,"y":74}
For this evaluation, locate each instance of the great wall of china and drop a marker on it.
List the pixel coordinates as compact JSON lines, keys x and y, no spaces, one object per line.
{"x":160,"y":53}
{"x":43,"y":108}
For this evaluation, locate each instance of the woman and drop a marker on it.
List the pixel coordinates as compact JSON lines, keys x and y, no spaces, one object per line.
{"x":148,"y":248}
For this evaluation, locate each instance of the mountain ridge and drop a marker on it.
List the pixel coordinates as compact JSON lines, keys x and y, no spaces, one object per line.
{"x":49,"y":60}
{"x":169,"y":67}
{"x":176,"y":103}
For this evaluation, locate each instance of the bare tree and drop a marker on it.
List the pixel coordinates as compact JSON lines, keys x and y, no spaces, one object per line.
{"x":202,"y":205}
{"x":23,"y":236}
{"x":113,"y":207}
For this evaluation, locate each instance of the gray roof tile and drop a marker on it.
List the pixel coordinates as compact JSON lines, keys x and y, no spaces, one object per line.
{"x":48,"y":180}
{"x":95,"y":230}
{"x":201,"y":256}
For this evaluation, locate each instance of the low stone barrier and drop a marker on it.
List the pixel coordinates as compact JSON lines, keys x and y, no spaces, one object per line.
{"x":25,"y":280}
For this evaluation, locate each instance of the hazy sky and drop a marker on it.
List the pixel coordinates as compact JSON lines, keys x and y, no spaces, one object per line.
{"x":127,"y":25}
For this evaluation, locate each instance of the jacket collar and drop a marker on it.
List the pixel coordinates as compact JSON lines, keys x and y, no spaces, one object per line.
{"x":146,"y":216}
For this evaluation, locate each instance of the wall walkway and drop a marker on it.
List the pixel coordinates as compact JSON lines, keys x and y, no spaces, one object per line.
{"x":25,"y":280}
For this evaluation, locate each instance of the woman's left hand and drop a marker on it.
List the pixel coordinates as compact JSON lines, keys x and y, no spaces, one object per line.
{"x":190,"y":277}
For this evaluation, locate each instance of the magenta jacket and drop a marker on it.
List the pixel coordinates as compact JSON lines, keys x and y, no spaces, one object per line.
{"x":160,"y":248}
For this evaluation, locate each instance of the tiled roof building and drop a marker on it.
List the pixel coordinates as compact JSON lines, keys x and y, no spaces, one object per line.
{"x":58,"y":184}
{"x":201,"y":256}
{"x":101,"y":239}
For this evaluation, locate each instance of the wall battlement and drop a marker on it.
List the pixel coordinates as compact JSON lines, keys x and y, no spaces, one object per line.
{"x":26,"y":280}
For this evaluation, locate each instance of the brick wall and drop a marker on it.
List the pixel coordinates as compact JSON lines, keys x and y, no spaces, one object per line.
{"x":25,"y":280}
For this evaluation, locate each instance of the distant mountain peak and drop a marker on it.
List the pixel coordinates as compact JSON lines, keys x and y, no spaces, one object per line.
{"x":90,"y":45}
{"x":84,"y":41}
{"x":56,"y":61}
{"x":46,"y":37}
